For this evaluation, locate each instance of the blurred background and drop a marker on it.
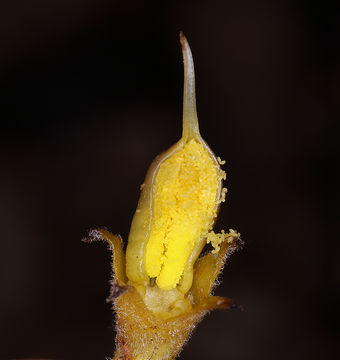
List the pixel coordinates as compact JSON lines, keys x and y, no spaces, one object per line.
{"x":91,"y":92}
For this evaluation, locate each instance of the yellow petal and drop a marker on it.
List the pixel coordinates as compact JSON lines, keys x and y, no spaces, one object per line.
{"x":208,"y":267}
{"x":178,"y":203}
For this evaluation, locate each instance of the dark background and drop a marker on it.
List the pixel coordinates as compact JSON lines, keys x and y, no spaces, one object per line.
{"x":91,"y":92}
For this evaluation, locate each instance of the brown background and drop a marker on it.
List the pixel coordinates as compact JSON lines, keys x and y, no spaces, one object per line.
{"x":92,"y":91}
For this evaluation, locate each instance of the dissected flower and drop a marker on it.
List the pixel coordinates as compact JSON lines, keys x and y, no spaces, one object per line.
{"x":161,"y":288}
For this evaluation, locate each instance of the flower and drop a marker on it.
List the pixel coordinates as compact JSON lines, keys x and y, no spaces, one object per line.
{"x":161,"y":288}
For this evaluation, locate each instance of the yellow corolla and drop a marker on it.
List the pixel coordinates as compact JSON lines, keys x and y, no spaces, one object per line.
{"x":160,"y":286}
{"x":178,"y":204}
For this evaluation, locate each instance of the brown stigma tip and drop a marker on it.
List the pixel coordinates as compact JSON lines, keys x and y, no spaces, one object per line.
{"x":182,"y":38}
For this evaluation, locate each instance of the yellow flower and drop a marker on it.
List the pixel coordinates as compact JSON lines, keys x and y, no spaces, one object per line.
{"x":161,"y":288}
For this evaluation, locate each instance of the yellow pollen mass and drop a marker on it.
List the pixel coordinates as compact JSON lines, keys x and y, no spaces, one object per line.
{"x":184,"y":206}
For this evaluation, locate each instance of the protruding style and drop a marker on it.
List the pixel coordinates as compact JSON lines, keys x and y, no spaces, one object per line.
{"x":190,"y":120}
